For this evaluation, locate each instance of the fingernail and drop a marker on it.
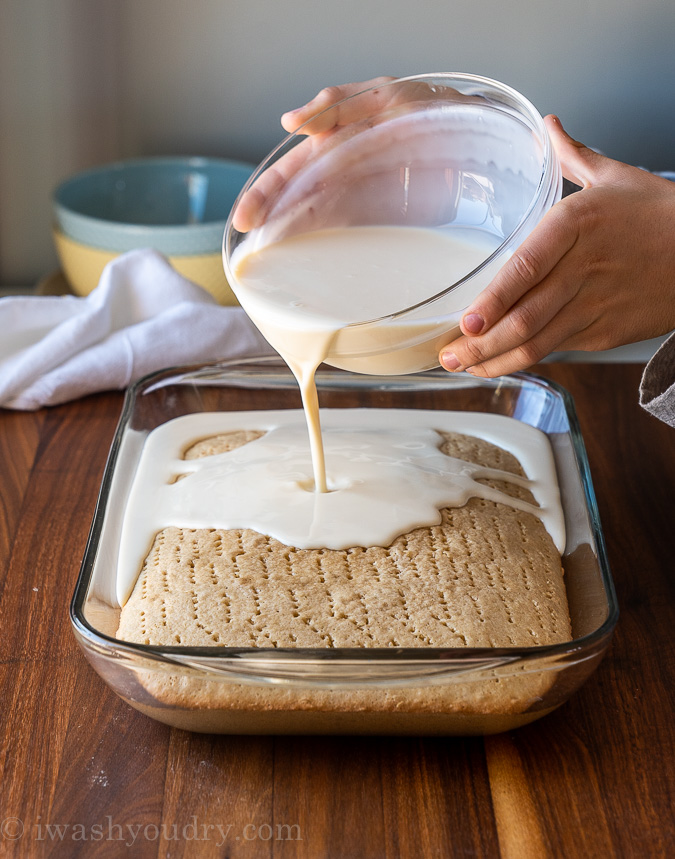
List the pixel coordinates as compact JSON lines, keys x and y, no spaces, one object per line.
{"x":292,"y":114}
{"x":450,"y":361}
{"x":473,"y":323}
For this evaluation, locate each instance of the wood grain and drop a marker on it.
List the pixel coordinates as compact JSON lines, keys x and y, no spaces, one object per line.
{"x":595,"y":778}
{"x":19,"y":440}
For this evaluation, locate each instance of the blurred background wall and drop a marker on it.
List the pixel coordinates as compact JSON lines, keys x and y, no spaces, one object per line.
{"x":87,"y":81}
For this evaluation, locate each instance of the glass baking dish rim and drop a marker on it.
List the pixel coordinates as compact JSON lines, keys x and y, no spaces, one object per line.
{"x":416,"y":655}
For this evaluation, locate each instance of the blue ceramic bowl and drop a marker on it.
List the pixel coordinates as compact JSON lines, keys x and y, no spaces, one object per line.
{"x":178,"y":206}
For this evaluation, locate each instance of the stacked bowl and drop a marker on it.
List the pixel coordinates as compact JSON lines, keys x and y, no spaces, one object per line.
{"x":178,"y":206}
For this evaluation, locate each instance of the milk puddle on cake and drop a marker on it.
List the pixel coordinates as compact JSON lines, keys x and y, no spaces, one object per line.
{"x":386,"y":476}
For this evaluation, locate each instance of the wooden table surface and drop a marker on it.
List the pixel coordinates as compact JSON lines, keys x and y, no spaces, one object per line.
{"x":82,"y":774}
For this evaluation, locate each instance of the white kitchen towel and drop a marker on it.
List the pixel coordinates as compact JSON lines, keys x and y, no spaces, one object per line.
{"x":143,"y":316}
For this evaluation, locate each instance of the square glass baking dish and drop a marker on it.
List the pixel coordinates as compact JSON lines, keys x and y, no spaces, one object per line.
{"x":420,"y":690}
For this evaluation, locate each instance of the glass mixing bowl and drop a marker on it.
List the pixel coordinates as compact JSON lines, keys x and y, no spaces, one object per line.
{"x":456,"y":156}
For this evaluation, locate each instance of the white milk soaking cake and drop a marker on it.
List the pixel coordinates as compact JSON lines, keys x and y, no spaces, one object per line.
{"x":485,"y":573}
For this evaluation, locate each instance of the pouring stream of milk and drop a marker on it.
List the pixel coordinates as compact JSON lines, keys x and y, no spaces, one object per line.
{"x":302,"y":292}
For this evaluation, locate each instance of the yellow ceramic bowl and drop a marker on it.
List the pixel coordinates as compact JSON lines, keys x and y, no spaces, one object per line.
{"x":83,"y":264}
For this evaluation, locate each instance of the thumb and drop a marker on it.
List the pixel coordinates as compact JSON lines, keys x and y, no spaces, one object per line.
{"x":580,"y":164}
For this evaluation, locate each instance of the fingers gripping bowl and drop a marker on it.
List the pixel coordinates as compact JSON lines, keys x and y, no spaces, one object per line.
{"x":386,"y":214}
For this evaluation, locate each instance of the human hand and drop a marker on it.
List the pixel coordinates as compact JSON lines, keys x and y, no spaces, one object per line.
{"x":252,"y":207}
{"x":597,"y":272}
{"x":334,"y":117}
{"x":339,"y":114}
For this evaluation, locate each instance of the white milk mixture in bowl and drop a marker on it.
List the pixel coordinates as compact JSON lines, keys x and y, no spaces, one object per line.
{"x":306,"y":291}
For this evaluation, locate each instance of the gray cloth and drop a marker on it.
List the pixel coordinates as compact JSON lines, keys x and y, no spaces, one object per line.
{"x":657,"y":388}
